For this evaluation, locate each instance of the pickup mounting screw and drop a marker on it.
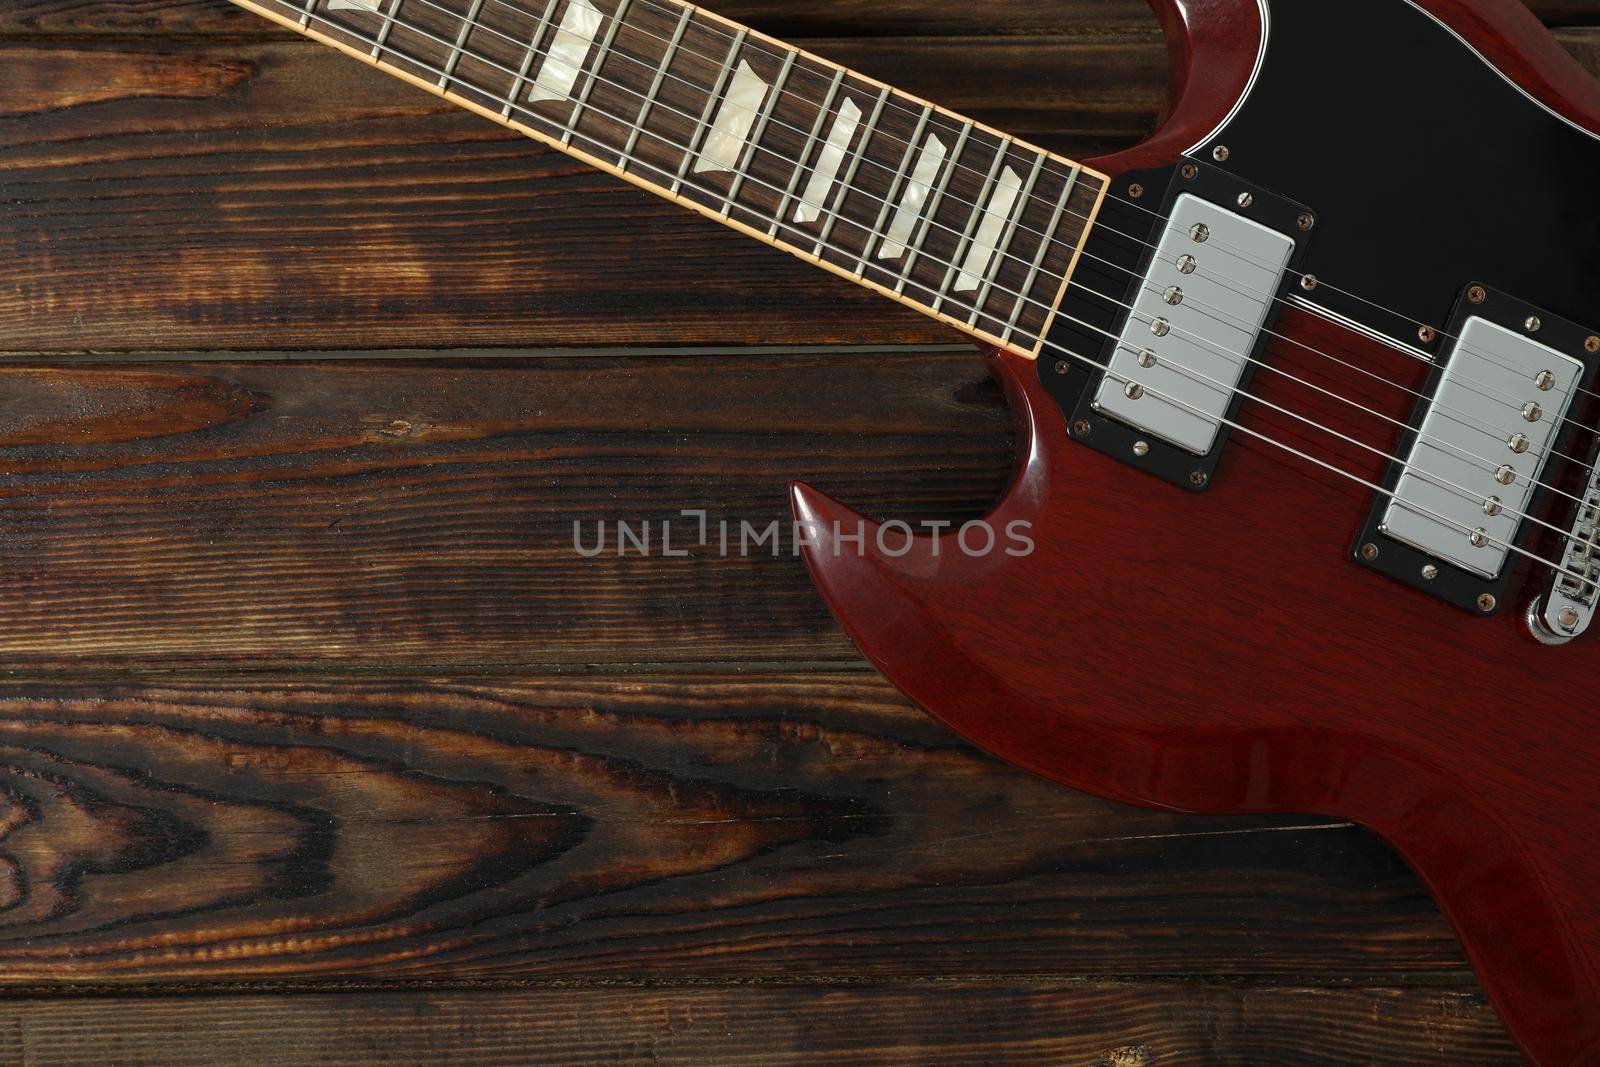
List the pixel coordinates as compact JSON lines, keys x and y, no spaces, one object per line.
{"x":1136,"y":190}
{"x":1141,"y":448}
{"x":1187,"y":264}
{"x":1369,"y":551}
{"x":1173,"y":295}
{"x":1426,"y":334}
{"x":1062,"y":366}
{"x":1429,"y":571}
{"x":1308,"y":282}
{"x":1160,"y":327}
{"x":1189,"y":172}
{"x":1477,"y":294}
{"x":1197,"y":478}
{"x":1518,"y":443}
{"x":1246,"y":199}
{"x":1486,"y":602}
{"x":1081,"y":428}
{"x":1200,"y":233}
{"x":1591,"y":345}
{"x":1147,"y":359}
{"x":1532,"y":323}
{"x":1305,"y":220}
{"x":1478,"y":537}
{"x":1491,"y":506}
{"x":1220,"y":153}
{"x":1545,"y":381}
{"x":1133,"y":390}
{"x":1506,"y":474}
{"x":1532,"y":412}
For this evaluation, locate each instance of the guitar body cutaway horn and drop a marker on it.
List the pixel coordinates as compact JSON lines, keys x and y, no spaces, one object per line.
{"x":1220,"y":652}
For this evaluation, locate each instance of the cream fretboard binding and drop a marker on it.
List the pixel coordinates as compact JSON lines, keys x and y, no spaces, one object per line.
{"x":948,"y":216}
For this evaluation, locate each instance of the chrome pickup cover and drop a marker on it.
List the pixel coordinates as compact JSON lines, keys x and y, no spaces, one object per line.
{"x":1481,"y":447}
{"x":1191,"y":325}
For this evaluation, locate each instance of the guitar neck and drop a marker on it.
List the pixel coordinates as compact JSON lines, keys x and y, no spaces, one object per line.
{"x":957,"y":220}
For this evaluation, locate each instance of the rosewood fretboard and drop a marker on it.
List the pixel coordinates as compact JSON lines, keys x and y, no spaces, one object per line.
{"x":946,"y":215}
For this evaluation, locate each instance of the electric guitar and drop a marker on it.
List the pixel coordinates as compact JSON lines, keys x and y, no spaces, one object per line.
{"x":1307,"y":386}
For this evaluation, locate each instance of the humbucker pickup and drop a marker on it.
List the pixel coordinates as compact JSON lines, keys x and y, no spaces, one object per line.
{"x":1184,"y":347}
{"x":1481,"y":447}
{"x":1472,"y":479}
{"x":1176,"y":304}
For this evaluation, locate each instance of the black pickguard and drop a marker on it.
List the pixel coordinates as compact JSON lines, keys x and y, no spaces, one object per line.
{"x":1427,"y":169}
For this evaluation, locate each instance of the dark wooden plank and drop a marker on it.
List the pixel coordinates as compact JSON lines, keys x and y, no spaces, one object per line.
{"x":634,"y":826}
{"x":793,"y":18}
{"x":1045,"y":1025}
{"x":243,"y":195}
{"x":238,"y":195}
{"x":406,"y":513}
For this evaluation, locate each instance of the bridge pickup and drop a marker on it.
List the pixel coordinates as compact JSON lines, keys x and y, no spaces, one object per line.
{"x":1200,"y":308}
{"x":1491,"y":433}
{"x":1481,"y":448}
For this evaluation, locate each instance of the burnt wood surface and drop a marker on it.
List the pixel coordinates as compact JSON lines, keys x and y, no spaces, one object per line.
{"x":319,"y":740}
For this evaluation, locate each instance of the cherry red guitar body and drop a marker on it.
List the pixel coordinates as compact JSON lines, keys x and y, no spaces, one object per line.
{"x":1221,"y":652}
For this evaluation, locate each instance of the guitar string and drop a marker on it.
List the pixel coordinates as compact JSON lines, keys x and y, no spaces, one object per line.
{"x":542,"y":24}
{"x":1400,"y":423}
{"x":718,"y":30}
{"x":1531,"y":482}
{"x":1043,"y":342}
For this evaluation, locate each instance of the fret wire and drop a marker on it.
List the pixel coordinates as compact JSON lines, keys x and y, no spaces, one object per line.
{"x":900,"y":175}
{"x":985,"y":193}
{"x":599,"y":62}
{"x":528,"y":58}
{"x":655,"y":87}
{"x":753,"y":144}
{"x":1039,"y":256}
{"x":658,"y":6}
{"x":662,"y":7}
{"x":914,"y":250}
{"x":805,"y":151}
{"x":309,"y":12}
{"x":1006,"y":237}
{"x":468,"y":24}
{"x":534,"y":116}
{"x":386,"y":29}
{"x":711,"y":102}
{"x":928,"y":221}
{"x":850,"y":176}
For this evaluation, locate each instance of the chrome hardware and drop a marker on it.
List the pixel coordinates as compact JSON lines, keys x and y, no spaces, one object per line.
{"x":1568,"y":604}
{"x":1188,"y":381}
{"x":1439,"y":499}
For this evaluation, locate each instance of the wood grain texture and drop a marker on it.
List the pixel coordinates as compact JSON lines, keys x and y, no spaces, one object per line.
{"x":482,"y":237}
{"x":220,"y":195}
{"x":790,"y":19}
{"x":395,"y":514}
{"x":770,"y":826}
{"x":765,"y":829}
{"x":1002,"y":1025}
